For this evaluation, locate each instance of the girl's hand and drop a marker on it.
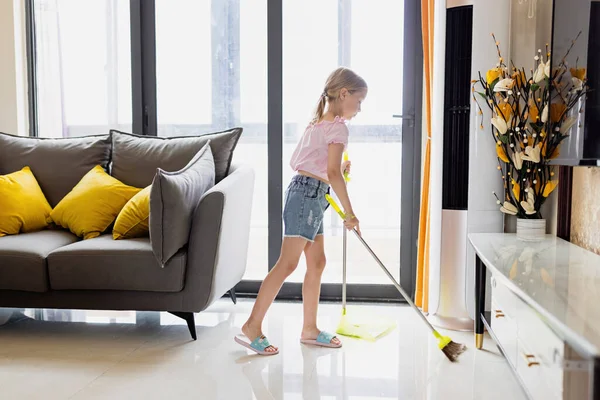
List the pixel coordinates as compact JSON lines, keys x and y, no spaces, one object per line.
{"x":346,"y":167}
{"x":352,"y":222}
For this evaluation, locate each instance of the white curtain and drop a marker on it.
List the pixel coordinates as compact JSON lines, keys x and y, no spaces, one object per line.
{"x":49,"y":79}
{"x":83,"y":66}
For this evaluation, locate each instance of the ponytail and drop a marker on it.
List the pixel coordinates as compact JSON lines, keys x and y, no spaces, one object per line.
{"x":320,"y":108}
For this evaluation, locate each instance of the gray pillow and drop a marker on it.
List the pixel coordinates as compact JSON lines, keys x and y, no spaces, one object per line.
{"x":173,"y":199}
{"x":58,"y":164}
{"x":135,"y":158}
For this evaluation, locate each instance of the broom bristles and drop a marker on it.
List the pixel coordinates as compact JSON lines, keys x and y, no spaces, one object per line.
{"x":452,"y":350}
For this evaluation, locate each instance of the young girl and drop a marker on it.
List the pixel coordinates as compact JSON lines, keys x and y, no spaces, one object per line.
{"x":318,"y":163}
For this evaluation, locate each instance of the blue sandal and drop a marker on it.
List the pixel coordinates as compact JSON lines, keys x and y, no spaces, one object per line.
{"x":258,"y":345}
{"x":323,"y":339}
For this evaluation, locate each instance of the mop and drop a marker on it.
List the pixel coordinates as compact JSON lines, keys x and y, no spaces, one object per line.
{"x":451,"y":349}
{"x":370,"y":332}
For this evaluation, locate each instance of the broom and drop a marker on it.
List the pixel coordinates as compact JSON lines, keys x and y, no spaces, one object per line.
{"x":451,"y":349}
{"x":345,"y":327}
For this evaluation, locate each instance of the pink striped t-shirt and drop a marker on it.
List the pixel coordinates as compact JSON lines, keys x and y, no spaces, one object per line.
{"x":310,"y":154}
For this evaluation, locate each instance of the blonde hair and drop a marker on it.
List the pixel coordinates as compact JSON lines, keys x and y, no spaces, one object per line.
{"x":339,"y":79}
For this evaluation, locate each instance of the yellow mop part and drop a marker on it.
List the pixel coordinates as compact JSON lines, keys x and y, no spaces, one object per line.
{"x":366,"y":330}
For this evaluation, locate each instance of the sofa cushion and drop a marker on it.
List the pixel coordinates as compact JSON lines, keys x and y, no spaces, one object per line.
{"x":58,"y":164}
{"x":106,"y":264}
{"x":173,"y":199}
{"x":132,"y":221}
{"x":135,"y":158}
{"x":93,"y":204}
{"x":23,"y":207}
{"x":23,"y":259}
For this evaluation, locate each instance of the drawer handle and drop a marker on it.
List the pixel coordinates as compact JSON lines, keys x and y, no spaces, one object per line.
{"x":528,"y":358}
{"x":499,"y":314}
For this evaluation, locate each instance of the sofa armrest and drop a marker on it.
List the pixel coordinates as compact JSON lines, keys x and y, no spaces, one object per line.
{"x":218,"y":245}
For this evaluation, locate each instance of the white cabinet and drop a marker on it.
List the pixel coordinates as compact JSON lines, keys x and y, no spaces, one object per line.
{"x":544,"y":299}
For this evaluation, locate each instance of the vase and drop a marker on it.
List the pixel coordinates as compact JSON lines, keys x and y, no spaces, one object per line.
{"x":531,"y":230}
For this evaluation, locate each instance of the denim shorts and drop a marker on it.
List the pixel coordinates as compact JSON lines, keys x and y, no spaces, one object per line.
{"x":304,"y":207}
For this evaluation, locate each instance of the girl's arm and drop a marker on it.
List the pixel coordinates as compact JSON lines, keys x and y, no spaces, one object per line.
{"x":336,"y":178}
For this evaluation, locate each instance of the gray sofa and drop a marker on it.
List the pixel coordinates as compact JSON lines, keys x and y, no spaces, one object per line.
{"x":55,"y":269}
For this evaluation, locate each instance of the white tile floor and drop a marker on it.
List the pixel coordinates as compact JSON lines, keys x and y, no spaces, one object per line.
{"x":128,"y":355}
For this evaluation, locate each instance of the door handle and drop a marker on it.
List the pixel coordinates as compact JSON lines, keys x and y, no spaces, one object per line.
{"x":410,"y":118}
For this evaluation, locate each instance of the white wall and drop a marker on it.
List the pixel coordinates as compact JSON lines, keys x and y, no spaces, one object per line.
{"x":13,"y":67}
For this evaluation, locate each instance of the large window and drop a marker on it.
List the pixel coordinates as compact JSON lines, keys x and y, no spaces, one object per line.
{"x":83,"y":57}
{"x":189,"y":67}
{"x":216,"y":78}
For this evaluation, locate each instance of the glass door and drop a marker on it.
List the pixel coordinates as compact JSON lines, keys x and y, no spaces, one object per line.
{"x":367,"y":36}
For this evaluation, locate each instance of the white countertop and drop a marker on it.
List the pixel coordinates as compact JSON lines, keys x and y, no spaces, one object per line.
{"x":558,"y":279}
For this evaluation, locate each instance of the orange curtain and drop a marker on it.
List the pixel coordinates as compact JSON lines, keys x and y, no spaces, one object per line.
{"x":422,"y":284}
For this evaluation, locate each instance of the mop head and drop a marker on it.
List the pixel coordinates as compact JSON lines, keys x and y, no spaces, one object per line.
{"x":450,"y":349}
{"x":366,"y":331}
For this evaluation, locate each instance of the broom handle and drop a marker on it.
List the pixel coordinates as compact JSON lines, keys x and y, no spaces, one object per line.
{"x":344,"y":246}
{"x":396,"y":284}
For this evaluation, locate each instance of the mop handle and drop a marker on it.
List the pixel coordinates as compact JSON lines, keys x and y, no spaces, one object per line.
{"x":396,"y":284}
{"x":344,"y":248}
{"x":345,"y":241}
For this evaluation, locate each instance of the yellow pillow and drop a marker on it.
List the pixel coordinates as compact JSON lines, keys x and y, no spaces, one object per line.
{"x":93,"y":204}
{"x":23,"y":207}
{"x":132,"y":221}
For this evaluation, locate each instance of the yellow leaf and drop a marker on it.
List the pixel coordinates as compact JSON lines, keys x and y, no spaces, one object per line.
{"x":516,"y":190}
{"x":501,"y":153}
{"x":556,"y":111}
{"x":578,"y":73}
{"x":534,"y":113}
{"x":492,"y":75}
{"x":520,"y":78}
{"x":550,"y":186}
{"x":554,"y":154}
{"x":505,"y":110}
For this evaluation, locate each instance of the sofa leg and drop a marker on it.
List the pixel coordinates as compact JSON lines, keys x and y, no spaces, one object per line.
{"x":189,"y":318}
{"x":233,"y":296}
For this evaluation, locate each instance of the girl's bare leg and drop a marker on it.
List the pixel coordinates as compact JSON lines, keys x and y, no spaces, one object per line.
{"x":311,"y":289}
{"x":291,"y":250}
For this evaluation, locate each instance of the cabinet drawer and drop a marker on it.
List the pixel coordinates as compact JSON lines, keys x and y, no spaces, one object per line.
{"x":505,"y":330}
{"x":532,"y":375}
{"x":503,"y":297}
{"x":532,"y":333}
{"x":542,"y":342}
